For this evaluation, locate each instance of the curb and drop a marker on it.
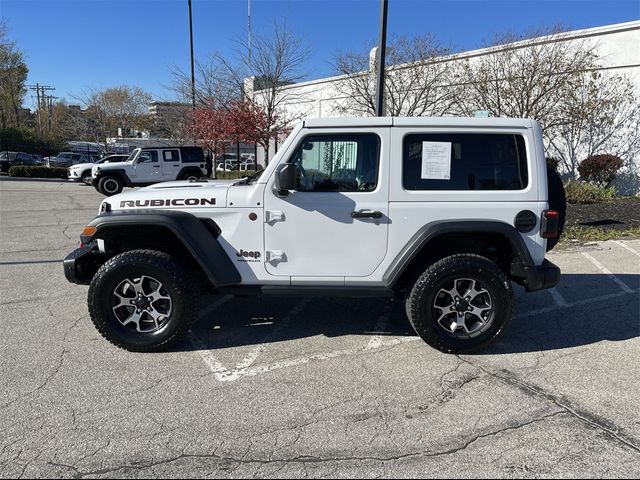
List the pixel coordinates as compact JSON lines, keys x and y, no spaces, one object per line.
{"x":4,"y":178}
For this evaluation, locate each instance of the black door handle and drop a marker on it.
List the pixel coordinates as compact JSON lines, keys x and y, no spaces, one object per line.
{"x":365,"y":214}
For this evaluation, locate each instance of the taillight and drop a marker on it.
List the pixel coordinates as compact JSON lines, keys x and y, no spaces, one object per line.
{"x":549,"y":224}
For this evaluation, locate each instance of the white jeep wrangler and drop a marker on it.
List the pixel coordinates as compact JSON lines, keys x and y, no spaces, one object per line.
{"x":146,"y":166}
{"x":442,"y":213}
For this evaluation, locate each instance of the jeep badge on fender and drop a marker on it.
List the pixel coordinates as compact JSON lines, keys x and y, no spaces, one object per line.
{"x":443,"y":213}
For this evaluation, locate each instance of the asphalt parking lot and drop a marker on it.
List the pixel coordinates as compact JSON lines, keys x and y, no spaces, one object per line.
{"x":292,"y":387}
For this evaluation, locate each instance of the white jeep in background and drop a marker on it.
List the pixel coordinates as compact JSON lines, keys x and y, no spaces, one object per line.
{"x":149,"y":165}
{"x":441,"y":213}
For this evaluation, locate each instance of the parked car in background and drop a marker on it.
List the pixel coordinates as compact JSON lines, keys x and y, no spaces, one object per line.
{"x":82,"y":171}
{"x":10,"y":159}
{"x":66,"y":159}
{"x":226,"y":166}
{"x":37,"y":159}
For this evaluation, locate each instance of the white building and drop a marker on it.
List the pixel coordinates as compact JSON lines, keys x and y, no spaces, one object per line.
{"x":616,"y":45}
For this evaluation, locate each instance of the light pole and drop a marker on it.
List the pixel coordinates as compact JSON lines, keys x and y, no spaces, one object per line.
{"x":382,"y":43}
{"x":193,"y":77}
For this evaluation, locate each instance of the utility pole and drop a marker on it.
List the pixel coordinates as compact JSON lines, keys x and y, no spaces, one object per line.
{"x":49,"y":103}
{"x":40,"y":88}
{"x":382,"y":43}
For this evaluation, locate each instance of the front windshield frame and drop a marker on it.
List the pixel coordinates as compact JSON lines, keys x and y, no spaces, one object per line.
{"x":134,"y":155}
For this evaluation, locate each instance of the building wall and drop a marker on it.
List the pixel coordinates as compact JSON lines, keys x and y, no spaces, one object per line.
{"x":617,"y":46}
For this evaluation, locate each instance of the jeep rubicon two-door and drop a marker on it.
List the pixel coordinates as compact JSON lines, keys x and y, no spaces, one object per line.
{"x":443,"y":213}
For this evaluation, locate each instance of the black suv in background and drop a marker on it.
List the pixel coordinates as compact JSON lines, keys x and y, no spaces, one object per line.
{"x":10,"y":159}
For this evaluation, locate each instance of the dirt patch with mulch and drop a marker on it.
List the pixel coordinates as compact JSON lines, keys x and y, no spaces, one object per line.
{"x":623,"y":213}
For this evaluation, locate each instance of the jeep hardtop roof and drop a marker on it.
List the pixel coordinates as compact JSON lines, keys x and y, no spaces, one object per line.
{"x":496,"y":122}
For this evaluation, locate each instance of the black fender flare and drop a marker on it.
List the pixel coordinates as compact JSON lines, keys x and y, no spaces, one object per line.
{"x":120,"y":173}
{"x":433,"y":230}
{"x":186,"y":170}
{"x":190,"y":230}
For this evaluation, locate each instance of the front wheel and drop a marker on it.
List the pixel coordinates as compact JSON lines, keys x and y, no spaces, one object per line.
{"x":110,"y":186}
{"x":87,"y":178}
{"x":142,"y":300}
{"x":460,"y":303}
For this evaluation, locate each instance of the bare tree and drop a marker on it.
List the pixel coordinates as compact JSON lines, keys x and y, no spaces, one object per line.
{"x":600,"y":115}
{"x":526,"y":75}
{"x":260,"y":74}
{"x":417,"y":79}
{"x":213,"y":85}
{"x":124,"y":107}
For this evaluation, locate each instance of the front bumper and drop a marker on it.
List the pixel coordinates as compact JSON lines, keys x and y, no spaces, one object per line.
{"x":81,"y":265}
{"x":539,"y":277}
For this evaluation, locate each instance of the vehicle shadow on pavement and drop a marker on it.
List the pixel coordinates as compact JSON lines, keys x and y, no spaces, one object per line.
{"x":597,"y":309}
{"x":591,"y":308}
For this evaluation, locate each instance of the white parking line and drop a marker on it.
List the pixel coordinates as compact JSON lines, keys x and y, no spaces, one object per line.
{"x":215,"y":305}
{"x":604,"y":270}
{"x":585,"y":301}
{"x":381,"y":326}
{"x":560,"y":301}
{"x":623,"y":245}
{"x":224,"y":374}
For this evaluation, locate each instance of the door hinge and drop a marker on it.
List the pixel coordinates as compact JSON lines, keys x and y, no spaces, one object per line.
{"x":273,"y":216}
{"x":275,"y":256}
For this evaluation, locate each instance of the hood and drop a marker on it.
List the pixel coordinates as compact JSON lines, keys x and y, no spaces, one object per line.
{"x":182,"y":195}
{"x":107,"y":166}
{"x":81,"y":166}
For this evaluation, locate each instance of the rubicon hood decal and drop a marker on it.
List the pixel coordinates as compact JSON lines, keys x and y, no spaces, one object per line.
{"x":168,"y":202}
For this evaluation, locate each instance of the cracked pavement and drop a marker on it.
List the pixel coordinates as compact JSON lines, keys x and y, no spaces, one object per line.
{"x":322,"y":387}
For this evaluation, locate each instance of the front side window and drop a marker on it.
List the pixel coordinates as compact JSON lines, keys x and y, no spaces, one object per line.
{"x":149,"y":156}
{"x":338,"y":163}
{"x":464,"y":161}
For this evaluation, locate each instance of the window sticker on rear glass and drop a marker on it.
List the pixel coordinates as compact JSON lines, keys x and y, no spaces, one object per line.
{"x":436,"y":160}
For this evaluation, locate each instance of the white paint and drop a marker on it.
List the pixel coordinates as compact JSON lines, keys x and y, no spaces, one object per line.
{"x":560,"y":301}
{"x":215,"y":305}
{"x":604,"y":270}
{"x":624,"y":245}
{"x":586,"y":301}
{"x":381,"y":325}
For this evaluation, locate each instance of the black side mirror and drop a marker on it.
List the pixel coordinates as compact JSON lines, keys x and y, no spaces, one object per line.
{"x":286,"y":178}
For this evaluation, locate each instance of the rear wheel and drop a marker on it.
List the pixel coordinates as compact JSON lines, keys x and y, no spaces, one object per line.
{"x":110,"y":185}
{"x":191,"y":176}
{"x":460,"y":304}
{"x":142,"y":300}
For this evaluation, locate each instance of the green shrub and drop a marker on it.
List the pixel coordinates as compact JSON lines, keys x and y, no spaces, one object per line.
{"x":37,"y":172}
{"x":600,"y":169}
{"x":233,"y":174}
{"x":582,"y":192}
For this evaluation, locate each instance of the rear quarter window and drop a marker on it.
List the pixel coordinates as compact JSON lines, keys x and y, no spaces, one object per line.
{"x":192,"y":155}
{"x":476,"y":161}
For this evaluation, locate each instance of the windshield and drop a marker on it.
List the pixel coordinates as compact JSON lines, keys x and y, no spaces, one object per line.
{"x":134,"y":155}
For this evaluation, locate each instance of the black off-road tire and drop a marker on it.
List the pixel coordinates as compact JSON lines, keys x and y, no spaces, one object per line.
{"x":86,"y":177}
{"x":191,"y":175}
{"x":557,"y":202}
{"x":422,"y":314}
{"x":110,"y":185}
{"x":161,"y":266}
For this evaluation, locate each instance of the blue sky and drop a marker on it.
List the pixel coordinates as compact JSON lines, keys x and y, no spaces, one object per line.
{"x":76,"y":45}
